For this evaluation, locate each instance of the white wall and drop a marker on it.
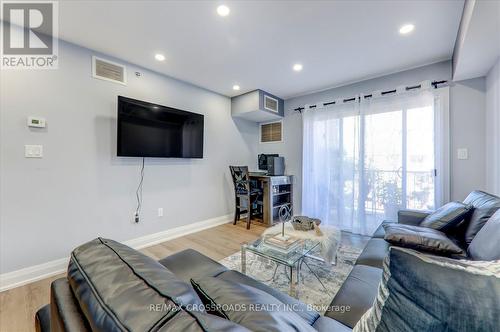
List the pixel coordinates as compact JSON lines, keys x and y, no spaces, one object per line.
{"x":80,"y":189}
{"x":493,"y":129}
{"x":466,"y":175}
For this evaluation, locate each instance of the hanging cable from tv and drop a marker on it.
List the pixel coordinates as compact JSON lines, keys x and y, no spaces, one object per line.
{"x":138,"y":194}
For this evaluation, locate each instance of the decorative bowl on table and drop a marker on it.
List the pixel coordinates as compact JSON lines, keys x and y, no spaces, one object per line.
{"x":303,"y":223}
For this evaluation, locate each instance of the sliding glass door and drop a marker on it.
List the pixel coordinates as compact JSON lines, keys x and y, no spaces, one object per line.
{"x":365,"y":161}
{"x":399,"y":166}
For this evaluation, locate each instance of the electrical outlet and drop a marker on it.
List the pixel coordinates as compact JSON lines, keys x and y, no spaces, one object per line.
{"x":160,"y":212}
{"x":136,"y":217}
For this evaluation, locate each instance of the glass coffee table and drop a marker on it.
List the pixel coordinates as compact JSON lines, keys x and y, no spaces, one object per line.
{"x":292,"y":260}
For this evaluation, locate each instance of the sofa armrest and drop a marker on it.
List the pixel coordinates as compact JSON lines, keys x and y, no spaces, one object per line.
{"x":65,"y":312}
{"x":412,"y":217}
{"x":189,"y":263}
{"x":42,"y":319}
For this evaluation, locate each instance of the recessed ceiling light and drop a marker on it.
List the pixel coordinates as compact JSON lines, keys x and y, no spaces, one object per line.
{"x":159,"y":57}
{"x":407,"y":28}
{"x":236,"y":87}
{"x":297,"y":67}
{"x":223,"y":10}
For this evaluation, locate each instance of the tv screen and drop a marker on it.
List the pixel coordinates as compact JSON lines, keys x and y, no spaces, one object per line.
{"x":150,"y":130}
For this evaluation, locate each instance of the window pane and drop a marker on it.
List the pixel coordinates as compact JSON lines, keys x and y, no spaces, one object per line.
{"x":383,"y":165}
{"x":420,"y":158}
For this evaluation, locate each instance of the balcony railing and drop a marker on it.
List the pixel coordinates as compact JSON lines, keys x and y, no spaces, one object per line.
{"x":386,"y":188}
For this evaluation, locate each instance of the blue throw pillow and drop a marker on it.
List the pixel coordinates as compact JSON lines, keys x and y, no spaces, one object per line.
{"x":420,"y":292}
{"x":485,"y":246}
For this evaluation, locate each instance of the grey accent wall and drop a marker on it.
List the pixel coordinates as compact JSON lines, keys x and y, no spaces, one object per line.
{"x":80,"y":189}
{"x":461,"y":110}
{"x":493,"y":129}
{"x":467,"y":128}
{"x":281,"y":103}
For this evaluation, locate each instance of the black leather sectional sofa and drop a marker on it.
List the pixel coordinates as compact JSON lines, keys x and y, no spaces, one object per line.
{"x":361,"y":286}
{"x":109,"y":286}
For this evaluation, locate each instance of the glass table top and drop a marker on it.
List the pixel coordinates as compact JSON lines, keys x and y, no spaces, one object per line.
{"x":290,"y":258}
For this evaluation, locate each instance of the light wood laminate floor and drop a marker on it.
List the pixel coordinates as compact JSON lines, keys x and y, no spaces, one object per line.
{"x":18,"y":305}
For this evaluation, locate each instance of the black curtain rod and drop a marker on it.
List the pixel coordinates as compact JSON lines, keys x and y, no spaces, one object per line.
{"x":408,"y":88}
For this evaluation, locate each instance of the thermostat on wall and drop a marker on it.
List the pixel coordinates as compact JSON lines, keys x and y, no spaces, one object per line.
{"x":36,"y":122}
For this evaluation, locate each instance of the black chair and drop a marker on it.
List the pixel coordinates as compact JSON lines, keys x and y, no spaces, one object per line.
{"x":243,"y":193}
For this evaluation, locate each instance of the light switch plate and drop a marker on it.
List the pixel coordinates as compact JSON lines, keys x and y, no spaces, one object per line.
{"x":462,"y":154}
{"x":33,"y":151}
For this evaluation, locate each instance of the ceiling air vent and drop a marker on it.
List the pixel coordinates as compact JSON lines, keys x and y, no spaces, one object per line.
{"x":271,"y":132}
{"x":109,"y":71}
{"x":270,"y":104}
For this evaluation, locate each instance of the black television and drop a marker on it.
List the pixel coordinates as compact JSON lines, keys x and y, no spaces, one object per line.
{"x":151,"y":130}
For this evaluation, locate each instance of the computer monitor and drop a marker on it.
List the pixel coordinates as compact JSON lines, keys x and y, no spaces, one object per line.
{"x":275,"y":166}
{"x":263,"y":160}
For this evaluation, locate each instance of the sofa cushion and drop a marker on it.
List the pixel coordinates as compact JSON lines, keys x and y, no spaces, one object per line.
{"x":420,"y":238}
{"x":485,"y":205}
{"x":300,"y":308}
{"x":420,"y":292}
{"x":327,"y":324}
{"x":447,"y":217}
{"x":119,"y":288}
{"x":374,"y":253}
{"x":190,"y":263}
{"x":485,"y":245}
{"x":356,"y":295}
{"x":248,"y":306}
{"x":202,"y":322}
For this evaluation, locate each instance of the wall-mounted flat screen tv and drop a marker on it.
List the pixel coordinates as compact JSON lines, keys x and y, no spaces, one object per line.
{"x":150,"y":130}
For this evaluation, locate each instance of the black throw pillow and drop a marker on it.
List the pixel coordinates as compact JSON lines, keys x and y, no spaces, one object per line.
{"x":420,"y":238}
{"x":248,"y":306}
{"x":447,"y":217}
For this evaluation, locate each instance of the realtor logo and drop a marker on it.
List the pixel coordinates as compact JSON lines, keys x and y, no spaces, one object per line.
{"x":29,"y":35}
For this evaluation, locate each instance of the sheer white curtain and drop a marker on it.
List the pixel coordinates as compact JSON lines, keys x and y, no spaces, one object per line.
{"x":365,"y":160}
{"x":331,"y":176}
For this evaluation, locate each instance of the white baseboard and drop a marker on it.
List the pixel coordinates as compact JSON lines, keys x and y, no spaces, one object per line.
{"x":155,"y":238}
{"x":38,"y":272}
{"x":33,"y":273}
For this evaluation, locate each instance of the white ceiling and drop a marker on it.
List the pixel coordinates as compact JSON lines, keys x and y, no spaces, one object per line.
{"x":337,"y":42}
{"x":478,"y":46}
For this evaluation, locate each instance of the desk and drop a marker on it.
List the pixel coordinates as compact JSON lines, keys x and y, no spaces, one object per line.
{"x":276,"y":192}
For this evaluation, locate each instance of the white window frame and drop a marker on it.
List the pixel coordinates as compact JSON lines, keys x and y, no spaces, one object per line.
{"x":443,"y":156}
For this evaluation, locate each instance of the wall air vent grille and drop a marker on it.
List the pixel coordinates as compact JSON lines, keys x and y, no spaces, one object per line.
{"x":271,"y":132}
{"x":109,"y":71}
{"x":270,"y":104}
